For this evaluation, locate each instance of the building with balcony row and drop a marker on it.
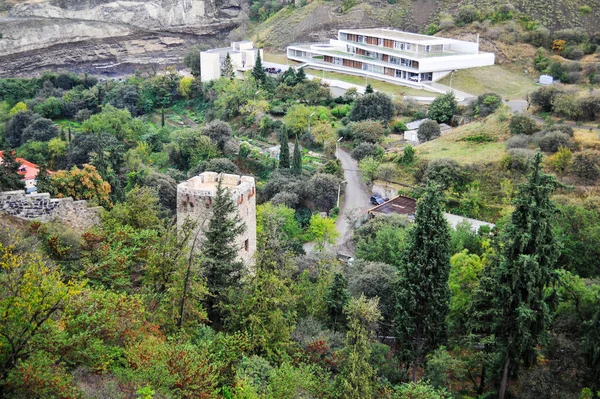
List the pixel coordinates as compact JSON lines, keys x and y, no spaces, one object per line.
{"x":391,"y":55}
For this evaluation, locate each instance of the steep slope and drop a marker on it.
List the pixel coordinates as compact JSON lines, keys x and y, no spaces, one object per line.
{"x":38,"y":34}
{"x":320,"y":19}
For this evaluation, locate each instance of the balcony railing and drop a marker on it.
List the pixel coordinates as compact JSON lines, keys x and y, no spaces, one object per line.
{"x":333,"y":66}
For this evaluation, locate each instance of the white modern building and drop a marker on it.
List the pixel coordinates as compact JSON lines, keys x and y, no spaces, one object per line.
{"x":243,"y":56}
{"x":391,"y":55}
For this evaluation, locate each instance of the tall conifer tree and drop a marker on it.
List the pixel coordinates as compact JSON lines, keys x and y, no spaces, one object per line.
{"x":297,"y":160}
{"x":422,"y":295}
{"x":511,"y":302}
{"x":284,"y":150}
{"x":10,"y":179}
{"x":43,"y":182}
{"x":337,"y":299}
{"x":219,"y":250}
{"x":258,"y":72}
{"x":227,"y":69}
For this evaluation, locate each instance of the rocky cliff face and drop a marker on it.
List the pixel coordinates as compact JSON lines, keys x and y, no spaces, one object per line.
{"x":42,"y":34}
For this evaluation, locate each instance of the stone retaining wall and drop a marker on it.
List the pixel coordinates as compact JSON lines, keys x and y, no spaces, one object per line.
{"x":41,"y":207}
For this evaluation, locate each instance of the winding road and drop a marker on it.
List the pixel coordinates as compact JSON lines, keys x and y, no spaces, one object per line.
{"x":356,"y":197}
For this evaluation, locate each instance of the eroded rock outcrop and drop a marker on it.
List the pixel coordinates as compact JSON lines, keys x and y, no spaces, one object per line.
{"x":53,"y":33}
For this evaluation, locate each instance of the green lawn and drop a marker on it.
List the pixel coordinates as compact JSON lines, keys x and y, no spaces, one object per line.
{"x":386,"y":87}
{"x":494,"y":79}
{"x":453,"y":145}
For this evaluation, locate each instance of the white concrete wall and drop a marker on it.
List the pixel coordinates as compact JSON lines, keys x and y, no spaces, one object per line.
{"x":449,"y":63}
{"x":411,"y":135}
{"x":210,"y":66}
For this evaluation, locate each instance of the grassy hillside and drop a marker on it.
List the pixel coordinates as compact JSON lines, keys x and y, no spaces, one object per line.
{"x":319,"y":19}
{"x":481,"y":141}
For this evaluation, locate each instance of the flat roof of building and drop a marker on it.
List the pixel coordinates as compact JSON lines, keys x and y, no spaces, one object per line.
{"x":401,"y":36}
{"x":400,"y":205}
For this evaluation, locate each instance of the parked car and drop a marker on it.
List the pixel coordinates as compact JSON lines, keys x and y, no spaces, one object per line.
{"x":376,"y":199}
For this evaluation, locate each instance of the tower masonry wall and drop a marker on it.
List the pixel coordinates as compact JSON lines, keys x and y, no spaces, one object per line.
{"x":195,"y":197}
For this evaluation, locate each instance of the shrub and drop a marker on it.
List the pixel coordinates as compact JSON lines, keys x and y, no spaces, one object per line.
{"x":443,"y":108}
{"x":561,"y":160}
{"x":572,"y":36}
{"x":518,"y":141}
{"x":552,"y":141}
{"x":399,"y":127}
{"x":566,"y":129}
{"x":586,"y":165}
{"x":367,"y":150}
{"x":376,"y":106}
{"x":466,"y":15}
{"x":428,"y":130}
{"x":517,"y":159}
{"x":364,"y":131}
{"x":544,"y":97}
{"x":523,"y":124}
{"x":590,"y":106}
{"x":447,"y":173}
{"x":341,"y":111}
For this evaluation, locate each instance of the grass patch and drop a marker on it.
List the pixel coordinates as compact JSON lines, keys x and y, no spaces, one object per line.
{"x":277,"y":58}
{"x":494,"y":79}
{"x":465,"y":144}
{"x":385,"y":87}
{"x":587,"y":138}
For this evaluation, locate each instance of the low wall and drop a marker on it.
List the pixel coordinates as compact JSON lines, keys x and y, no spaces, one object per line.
{"x":41,"y":207}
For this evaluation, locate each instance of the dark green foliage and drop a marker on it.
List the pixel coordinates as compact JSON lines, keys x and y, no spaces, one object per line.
{"x":300,"y":76}
{"x":289,"y":77}
{"x":382,"y":239}
{"x":166,"y":189}
{"x":227,"y":68}
{"x":192,"y":61}
{"x":447,"y":173}
{"x":43,"y":182}
{"x":364,"y":150}
{"x":219,"y":250}
{"x":586,"y":165}
{"x":297,"y":160}
{"x":511,"y":301}
{"x":591,"y":346}
{"x":578,"y":230}
{"x":523,"y":124}
{"x":369,"y":89}
{"x":258,"y":72}
{"x":485,"y":104}
{"x":422,"y":293}
{"x":443,"y":108}
{"x":40,"y":129}
{"x":376,"y":106}
{"x":364,"y":131}
{"x":428,"y":130}
{"x":219,"y":132}
{"x":544,"y":97}
{"x":9,"y":173}
{"x":333,"y":167}
{"x":284,"y":150}
{"x":553,"y":140}
{"x":323,"y":190}
{"x":337,"y":299}
{"x":16,"y":125}
{"x":408,"y":155}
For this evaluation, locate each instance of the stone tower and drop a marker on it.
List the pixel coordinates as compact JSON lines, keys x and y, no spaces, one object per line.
{"x":195,"y":197}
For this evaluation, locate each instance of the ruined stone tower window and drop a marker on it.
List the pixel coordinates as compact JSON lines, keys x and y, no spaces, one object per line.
{"x":246,"y":246}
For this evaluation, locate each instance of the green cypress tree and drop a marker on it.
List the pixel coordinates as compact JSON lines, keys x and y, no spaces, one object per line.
{"x":219,"y":250}
{"x":43,"y":181}
{"x":511,"y":302}
{"x":300,"y":76}
{"x":337,"y":299}
{"x":284,"y":150}
{"x":258,"y":72}
{"x":227,"y":69}
{"x":10,"y":179}
{"x":356,"y":378}
{"x":422,"y":293}
{"x":369,"y":89}
{"x":297,"y":161}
